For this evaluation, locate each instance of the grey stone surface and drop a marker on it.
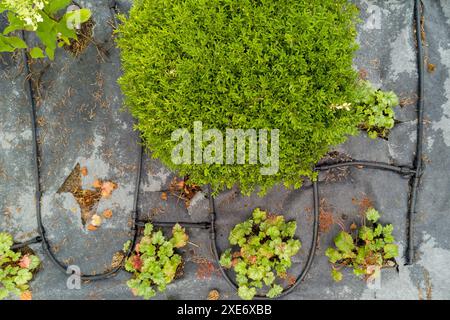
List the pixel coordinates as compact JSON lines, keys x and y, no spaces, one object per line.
{"x":81,"y":120}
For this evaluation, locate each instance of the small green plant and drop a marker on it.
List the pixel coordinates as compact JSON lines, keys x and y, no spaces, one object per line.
{"x":40,"y":16}
{"x":367,"y":251}
{"x":266,"y":245}
{"x":377,"y":108}
{"x":154,"y":262}
{"x":16,"y":269}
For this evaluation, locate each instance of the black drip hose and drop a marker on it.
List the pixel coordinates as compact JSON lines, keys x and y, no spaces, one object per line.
{"x":21,"y":245}
{"x":415,"y":172}
{"x":190,"y":225}
{"x":406,"y":171}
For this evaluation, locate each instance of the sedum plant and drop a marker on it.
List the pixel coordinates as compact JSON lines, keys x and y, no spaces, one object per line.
{"x":377,"y":108}
{"x":16,"y":269}
{"x":265,"y":245}
{"x":366,"y":251}
{"x":40,"y":17}
{"x":154,"y":263}
{"x":242,"y":64}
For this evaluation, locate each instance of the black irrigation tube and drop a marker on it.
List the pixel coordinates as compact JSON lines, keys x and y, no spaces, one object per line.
{"x":406,"y":171}
{"x":191,"y":225}
{"x":21,"y":245}
{"x":414,"y":172}
{"x":418,"y":163}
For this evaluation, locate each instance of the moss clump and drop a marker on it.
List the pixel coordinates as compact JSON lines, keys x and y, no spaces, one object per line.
{"x":242,"y":64}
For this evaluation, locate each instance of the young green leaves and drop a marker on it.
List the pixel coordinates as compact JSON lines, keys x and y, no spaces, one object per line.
{"x":367,"y":251}
{"x":154,"y":263}
{"x":10,"y":44}
{"x":377,"y":109}
{"x":266,"y":245}
{"x":16,"y":269}
{"x":40,"y":16}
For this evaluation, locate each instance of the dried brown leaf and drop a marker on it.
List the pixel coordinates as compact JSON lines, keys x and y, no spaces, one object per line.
{"x":84,"y":171}
{"x":213,"y":295}
{"x":91,"y":227}
{"x":107,"y":188}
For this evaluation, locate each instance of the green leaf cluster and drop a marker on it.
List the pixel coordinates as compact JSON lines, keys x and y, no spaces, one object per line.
{"x":154,"y":262}
{"x":377,"y":109}
{"x":242,"y":64}
{"x":15,"y":275}
{"x":52,"y":31}
{"x":367,"y":251}
{"x":266,"y":245}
